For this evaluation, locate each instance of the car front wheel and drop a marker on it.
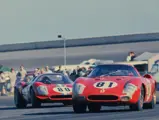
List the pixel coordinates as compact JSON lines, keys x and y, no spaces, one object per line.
{"x":79,"y":107}
{"x":34,"y":100}
{"x":152,"y":104}
{"x":94,"y":107}
{"x":19,"y":100}
{"x":139,"y":105}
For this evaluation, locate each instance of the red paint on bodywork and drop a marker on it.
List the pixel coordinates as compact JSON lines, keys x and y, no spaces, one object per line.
{"x":52,"y":95}
{"x":148,"y":83}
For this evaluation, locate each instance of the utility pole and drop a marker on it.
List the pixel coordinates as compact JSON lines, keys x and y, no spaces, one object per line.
{"x":64,"y":46}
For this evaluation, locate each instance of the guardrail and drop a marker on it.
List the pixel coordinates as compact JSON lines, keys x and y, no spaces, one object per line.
{"x":81,"y":42}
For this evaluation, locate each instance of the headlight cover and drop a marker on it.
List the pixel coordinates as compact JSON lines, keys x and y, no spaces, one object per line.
{"x":130,"y":89}
{"x":42,"y":90}
{"x":78,"y":88}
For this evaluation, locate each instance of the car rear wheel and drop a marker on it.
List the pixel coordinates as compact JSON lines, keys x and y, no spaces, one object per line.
{"x":152,"y":104}
{"x":79,"y":107}
{"x":139,"y":105}
{"x":19,"y":100}
{"x":34,"y":100}
{"x":94,"y":107}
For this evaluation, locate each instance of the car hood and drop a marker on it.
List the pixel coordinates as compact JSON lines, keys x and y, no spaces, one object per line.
{"x":106,"y":85}
{"x":60,"y":89}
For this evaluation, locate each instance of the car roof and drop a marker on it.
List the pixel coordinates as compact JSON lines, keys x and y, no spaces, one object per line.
{"x":133,"y":63}
{"x":115,"y":64}
{"x":52,"y":74}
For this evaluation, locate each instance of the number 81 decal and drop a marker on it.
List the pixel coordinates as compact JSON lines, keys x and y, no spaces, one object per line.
{"x":105,"y":84}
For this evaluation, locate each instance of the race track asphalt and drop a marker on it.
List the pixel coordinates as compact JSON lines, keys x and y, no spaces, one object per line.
{"x":60,"y":112}
{"x":33,"y":59}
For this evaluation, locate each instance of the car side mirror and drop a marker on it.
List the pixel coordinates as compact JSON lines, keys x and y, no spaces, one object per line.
{"x":148,"y":76}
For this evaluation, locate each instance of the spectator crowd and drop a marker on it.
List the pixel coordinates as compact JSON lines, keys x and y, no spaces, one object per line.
{"x":9,"y":78}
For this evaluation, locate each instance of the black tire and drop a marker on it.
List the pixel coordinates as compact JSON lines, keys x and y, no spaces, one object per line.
{"x":34,"y":100}
{"x":79,"y":107}
{"x":94,"y":107}
{"x":139,"y":105}
{"x":66,"y":103}
{"x":152,"y":104}
{"x":19,"y":100}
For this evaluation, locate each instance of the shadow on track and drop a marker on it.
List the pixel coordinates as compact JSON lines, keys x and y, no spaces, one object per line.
{"x":71,"y":112}
{"x":29,"y":107}
{"x":49,"y":113}
{"x":8,"y":108}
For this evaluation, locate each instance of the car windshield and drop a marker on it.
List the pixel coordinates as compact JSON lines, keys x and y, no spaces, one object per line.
{"x":54,"y":79}
{"x":113,"y":70}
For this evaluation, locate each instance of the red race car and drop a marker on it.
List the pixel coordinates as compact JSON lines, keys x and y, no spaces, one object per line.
{"x":45,"y":88}
{"x":114,"y":85}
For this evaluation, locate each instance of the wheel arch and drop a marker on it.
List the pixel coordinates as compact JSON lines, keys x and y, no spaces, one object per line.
{"x":144,"y":87}
{"x":155,"y":87}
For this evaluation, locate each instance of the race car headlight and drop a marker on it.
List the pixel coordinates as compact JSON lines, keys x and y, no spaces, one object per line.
{"x":78,"y":88}
{"x":129,"y":89}
{"x":42,"y":90}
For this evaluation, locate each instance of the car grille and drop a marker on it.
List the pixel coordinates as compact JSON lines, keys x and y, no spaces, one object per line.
{"x":61,"y":96}
{"x":102,"y":97}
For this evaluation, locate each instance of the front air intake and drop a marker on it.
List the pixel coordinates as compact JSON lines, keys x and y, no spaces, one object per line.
{"x":102,"y":97}
{"x":61,"y":96}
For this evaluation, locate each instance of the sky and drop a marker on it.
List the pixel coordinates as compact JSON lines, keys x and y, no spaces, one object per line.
{"x":24,"y":21}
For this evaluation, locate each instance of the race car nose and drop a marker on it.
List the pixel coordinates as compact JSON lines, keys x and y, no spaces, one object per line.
{"x":124,"y":98}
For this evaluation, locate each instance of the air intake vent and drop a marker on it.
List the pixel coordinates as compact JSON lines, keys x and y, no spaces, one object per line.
{"x":102,"y":97}
{"x":61,"y":96}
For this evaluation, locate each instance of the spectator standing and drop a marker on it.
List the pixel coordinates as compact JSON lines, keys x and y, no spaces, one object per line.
{"x":12,"y":77}
{"x":47,"y":70}
{"x":22,"y":72}
{"x":128,"y":59}
{"x":2,"y":84}
{"x":78,"y":71}
{"x":39,"y":71}
{"x":66,"y":72}
{"x":59,"y":70}
{"x":42,"y":70}
{"x":88,"y":71}
{"x":133,"y":56}
{"x":82,"y":72}
{"x":73,"y":75}
{"x":36,"y":72}
{"x":53,"y":69}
